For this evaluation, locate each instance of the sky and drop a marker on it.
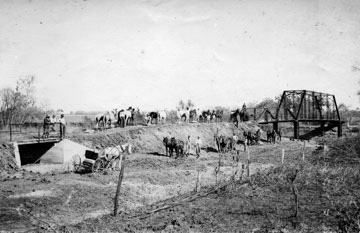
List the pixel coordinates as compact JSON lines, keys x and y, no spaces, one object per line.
{"x":104,"y":54}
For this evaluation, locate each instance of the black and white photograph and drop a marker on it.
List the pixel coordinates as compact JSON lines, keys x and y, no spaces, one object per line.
{"x":180,"y":116}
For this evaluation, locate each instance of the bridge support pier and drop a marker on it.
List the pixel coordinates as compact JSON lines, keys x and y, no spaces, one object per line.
{"x":339,"y":130}
{"x":296,"y":129}
{"x":322,"y":128}
{"x":276,"y":126}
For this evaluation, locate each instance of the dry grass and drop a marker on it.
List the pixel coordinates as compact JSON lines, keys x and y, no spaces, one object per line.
{"x":329,"y":201}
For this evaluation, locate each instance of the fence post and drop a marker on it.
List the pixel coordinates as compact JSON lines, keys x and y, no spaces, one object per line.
{"x":303,"y":153}
{"x":39,"y":133}
{"x":121,"y":176}
{"x":248,"y":163}
{"x":10,"y":132}
{"x":282,"y":155}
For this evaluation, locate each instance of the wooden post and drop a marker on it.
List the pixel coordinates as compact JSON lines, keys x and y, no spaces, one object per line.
{"x":303,"y":153}
{"x":296,"y":197}
{"x":282,"y":156}
{"x":38,"y":133}
{"x":10,"y":132}
{"x":248,"y":163}
{"x":121,"y":176}
{"x":198,"y":184}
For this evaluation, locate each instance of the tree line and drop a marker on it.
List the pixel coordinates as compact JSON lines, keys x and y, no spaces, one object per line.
{"x":18,"y":104}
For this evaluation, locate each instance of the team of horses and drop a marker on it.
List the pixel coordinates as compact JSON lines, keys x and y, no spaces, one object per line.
{"x":173,"y":145}
{"x":122,"y":117}
{"x":125,"y":117}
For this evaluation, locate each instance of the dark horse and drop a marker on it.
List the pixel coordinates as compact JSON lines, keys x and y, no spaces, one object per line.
{"x":173,"y":145}
{"x":239,"y":116}
{"x":271,"y":136}
{"x":223,"y":144}
{"x":205,"y":116}
{"x":151,"y":117}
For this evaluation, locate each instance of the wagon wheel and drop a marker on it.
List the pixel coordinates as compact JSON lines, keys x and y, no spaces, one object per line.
{"x":98,"y":165}
{"x":76,"y":162}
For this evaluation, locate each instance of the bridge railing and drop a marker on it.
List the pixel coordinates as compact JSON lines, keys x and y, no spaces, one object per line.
{"x":29,"y":131}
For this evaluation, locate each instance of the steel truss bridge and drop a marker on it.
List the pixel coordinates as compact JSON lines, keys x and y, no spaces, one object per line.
{"x":299,"y":106}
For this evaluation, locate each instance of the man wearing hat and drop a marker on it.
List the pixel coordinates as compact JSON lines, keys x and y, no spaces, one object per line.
{"x":46,"y":126}
{"x":62,"y":126}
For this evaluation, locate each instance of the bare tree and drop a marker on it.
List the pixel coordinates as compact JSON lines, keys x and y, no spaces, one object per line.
{"x":18,"y":104}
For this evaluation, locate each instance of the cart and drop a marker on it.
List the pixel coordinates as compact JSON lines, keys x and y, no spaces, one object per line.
{"x":93,"y":162}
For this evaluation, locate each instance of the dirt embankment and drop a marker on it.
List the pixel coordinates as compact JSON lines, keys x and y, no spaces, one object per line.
{"x":7,"y":159}
{"x":149,"y":139}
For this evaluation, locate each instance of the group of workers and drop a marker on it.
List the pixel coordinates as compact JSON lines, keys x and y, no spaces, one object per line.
{"x":188,"y":146}
{"x":49,"y":125}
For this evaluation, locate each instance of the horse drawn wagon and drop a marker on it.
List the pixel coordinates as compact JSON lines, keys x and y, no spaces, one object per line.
{"x":106,"y":158}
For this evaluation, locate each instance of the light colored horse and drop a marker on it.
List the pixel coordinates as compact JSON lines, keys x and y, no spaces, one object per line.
{"x":102,"y":118}
{"x":183,"y":113}
{"x":124,"y":116}
{"x":162,"y":116}
{"x":116,"y":153}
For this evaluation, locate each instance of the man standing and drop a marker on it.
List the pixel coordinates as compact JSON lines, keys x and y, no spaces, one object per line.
{"x":46,"y":126}
{"x":235,"y":140}
{"x":198,"y":148}
{"x":188,"y":146}
{"x":52,"y":122}
{"x":62,"y":126}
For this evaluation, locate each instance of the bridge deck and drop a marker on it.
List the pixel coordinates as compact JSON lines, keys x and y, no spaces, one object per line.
{"x":41,"y":140}
{"x":301,"y":120}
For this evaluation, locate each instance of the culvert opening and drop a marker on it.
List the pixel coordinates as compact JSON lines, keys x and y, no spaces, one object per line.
{"x":31,"y":153}
{"x":59,"y":152}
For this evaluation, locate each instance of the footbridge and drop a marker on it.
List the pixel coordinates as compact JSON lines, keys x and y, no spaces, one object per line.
{"x":302,"y":106}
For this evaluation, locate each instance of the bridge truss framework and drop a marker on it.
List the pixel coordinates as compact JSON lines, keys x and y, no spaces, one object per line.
{"x":302,"y":106}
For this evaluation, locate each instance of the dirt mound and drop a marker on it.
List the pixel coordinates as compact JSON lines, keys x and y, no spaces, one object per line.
{"x":149,"y":139}
{"x":7,"y":159}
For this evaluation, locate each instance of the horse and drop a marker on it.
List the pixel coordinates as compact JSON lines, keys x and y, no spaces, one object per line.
{"x":271,"y":136}
{"x":124,"y":116}
{"x":221,"y":143}
{"x":102,"y":118}
{"x":173,"y":145}
{"x":162,"y":116}
{"x":152,"y":116}
{"x":183,"y":114}
{"x":250,"y":138}
{"x":131,"y":120}
{"x":244,"y":115}
{"x":235,"y":117}
{"x":216,"y":115}
{"x":219,"y":115}
{"x":205,"y":116}
{"x":279,"y":134}
{"x":114,"y":153}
